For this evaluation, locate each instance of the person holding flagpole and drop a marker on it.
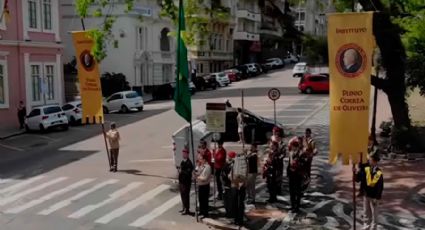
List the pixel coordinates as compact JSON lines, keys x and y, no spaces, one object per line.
{"x":182,"y":95}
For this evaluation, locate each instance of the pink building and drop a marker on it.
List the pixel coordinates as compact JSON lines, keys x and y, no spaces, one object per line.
{"x":30,"y":56}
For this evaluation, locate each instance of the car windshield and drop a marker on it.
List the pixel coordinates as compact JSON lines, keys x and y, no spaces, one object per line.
{"x":221,"y":75}
{"x":53,"y":109}
{"x":131,"y":95}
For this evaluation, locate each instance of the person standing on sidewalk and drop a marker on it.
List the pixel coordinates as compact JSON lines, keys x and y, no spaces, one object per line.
{"x":219,"y":161}
{"x":227,"y":183}
{"x":373,"y":192}
{"x":270,"y":172}
{"x":279,"y":157}
{"x":22,"y":112}
{"x":185,"y":181}
{"x":203,"y":178}
{"x":252,"y":173}
{"x":239,"y":119}
{"x":295,"y":172}
{"x":114,"y":143}
{"x":309,"y":149}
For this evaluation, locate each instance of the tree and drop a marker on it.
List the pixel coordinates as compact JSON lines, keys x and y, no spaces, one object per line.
{"x":389,"y":29}
{"x":316,"y":49}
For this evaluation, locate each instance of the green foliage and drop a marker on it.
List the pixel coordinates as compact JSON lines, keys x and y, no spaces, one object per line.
{"x":199,"y":17}
{"x":316,"y":49}
{"x":101,"y":36}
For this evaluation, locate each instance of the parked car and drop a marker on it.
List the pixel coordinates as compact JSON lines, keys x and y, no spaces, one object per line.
{"x":257,"y":129}
{"x":310,"y":83}
{"x":205,"y":82}
{"x":166,"y":91}
{"x":291,"y":59}
{"x":253,"y":69}
{"x":299,"y":69}
{"x":274,"y":63}
{"x":123,"y":102}
{"x":243,"y":69}
{"x":73,"y":112}
{"x":46,"y":117}
{"x":221,"y":78}
{"x":233,"y":75}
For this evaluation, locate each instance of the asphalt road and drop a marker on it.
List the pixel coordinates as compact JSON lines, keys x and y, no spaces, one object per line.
{"x":62,"y":180}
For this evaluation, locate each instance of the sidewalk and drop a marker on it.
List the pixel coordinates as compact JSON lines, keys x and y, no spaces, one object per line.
{"x":10,"y":132}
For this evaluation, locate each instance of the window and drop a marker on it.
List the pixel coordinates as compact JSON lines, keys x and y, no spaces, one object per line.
{"x":67,"y":107}
{"x":53,"y":109}
{"x":115,"y":97}
{"x":35,"y":112}
{"x":32,"y":14}
{"x":131,"y":95}
{"x":36,"y":82}
{"x":47,"y":15}
{"x":142,"y":38}
{"x":165,"y":40}
{"x":50,"y":94}
{"x":2,"y":85}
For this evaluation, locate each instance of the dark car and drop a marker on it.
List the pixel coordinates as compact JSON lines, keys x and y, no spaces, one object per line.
{"x":204,"y":82}
{"x":243,"y":70}
{"x":257,"y":129}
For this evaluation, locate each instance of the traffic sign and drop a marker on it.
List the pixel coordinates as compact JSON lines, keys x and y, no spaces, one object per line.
{"x":274,"y":94}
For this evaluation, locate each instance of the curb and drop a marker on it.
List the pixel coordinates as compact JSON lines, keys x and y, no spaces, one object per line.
{"x":12,"y":135}
{"x":219,"y":225}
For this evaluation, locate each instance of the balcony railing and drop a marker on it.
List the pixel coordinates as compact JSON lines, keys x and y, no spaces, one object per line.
{"x":246,"y":14}
{"x":246,"y":36}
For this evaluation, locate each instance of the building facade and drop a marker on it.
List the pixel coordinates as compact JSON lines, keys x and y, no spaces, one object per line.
{"x":142,"y":51}
{"x":30,"y":57}
{"x":216,"y":54}
{"x":310,"y":17}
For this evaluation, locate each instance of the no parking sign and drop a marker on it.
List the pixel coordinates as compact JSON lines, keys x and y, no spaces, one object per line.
{"x":274,"y":94}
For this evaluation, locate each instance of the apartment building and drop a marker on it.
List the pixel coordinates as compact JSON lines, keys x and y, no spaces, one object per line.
{"x":142,"y":51}
{"x":310,"y":17}
{"x":30,"y":56}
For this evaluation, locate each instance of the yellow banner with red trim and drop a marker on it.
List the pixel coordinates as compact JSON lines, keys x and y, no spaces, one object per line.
{"x":351,"y":45}
{"x":89,"y":77}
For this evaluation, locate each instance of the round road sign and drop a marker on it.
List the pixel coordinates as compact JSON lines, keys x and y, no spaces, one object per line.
{"x":274,"y":94}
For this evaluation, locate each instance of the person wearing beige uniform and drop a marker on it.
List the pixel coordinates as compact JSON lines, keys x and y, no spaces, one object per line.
{"x":114,"y":146}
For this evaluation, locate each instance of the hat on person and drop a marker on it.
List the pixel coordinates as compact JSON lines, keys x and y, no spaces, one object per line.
{"x":231,"y":154}
{"x":375,"y":157}
{"x":276,"y":129}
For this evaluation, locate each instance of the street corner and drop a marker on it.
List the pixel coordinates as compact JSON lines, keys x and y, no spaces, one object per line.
{"x":264,"y":213}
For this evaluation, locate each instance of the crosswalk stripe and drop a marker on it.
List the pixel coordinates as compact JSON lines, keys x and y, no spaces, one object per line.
{"x":338,"y":209}
{"x":132,"y":204}
{"x":80,"y":195}
{"x":49,"y":196}
{"x":269,"y":224}
{"x":20,"y":184}
{"x":331,"y":223}
{"x":112,"y":197}
{"x":15,"y":197}
{"x":156,"y":212}
{"x":5,"y":181}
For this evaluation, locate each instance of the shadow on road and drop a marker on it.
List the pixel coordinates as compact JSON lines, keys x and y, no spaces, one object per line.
{"x":44,"y":158}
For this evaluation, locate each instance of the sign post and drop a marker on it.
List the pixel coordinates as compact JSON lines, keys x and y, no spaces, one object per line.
{"x":274,"y":94}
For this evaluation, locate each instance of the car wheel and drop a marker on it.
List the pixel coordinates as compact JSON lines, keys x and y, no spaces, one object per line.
{"x":124,"y":109}
{"x":309,"y":90}
{"x":72,"y":120}
{"x":42,"y":129}
{"x":140,"y":108}
{"x":27,"y":128}
{"x":105,"y":110}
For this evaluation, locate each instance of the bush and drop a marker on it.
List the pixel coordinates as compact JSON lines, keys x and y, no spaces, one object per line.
{"x":112,"y":83}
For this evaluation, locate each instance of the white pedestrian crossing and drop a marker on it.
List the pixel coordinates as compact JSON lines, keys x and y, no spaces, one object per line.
{"x":12,"y":198}
{"x":19,"y":185}
{"x":114,"y":196}
{"x":66,"y":202}
{"x":132,"y":204}
{"x":156,"y":212}
{"x":49,"y":196}
{"x":37,"y":193}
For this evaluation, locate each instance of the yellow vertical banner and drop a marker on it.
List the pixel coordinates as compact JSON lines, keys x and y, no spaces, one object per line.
{"x":89,"y":77}
{"x":351,"y":44}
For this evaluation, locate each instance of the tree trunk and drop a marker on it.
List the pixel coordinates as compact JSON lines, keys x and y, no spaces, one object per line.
{"x":393,"y":54}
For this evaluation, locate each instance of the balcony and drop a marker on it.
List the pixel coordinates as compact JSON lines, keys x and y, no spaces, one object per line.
{"x":249,"y":15}
{"x":246,"y":36}
{"x":211,"y":55}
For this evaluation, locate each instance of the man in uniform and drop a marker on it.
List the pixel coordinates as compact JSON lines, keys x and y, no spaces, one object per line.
{"x":219,"y":161}
{"x":227,"y":183}
{"x":296,"y":172}
{"x":185,"y":181}
{"x":252,"y":159}
{"x":309,"y":149}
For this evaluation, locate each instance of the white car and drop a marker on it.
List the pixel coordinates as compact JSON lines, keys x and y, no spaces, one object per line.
{"x":73,"y":111}
{"x":123,"y":101}
{"x":299,"y":69}
{"x":252,"y":68}
{"x":290,"y":58}
{"x":274,"y":63}
{"x":46,"y":117}
{"x":221,"y":78}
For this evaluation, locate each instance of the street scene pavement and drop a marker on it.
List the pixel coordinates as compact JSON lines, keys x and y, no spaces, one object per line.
{"x":61,"y":180}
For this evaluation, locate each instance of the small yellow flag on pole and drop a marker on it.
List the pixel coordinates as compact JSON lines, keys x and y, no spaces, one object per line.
{"x":89,"y":77}
{"x":351,"y":44}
